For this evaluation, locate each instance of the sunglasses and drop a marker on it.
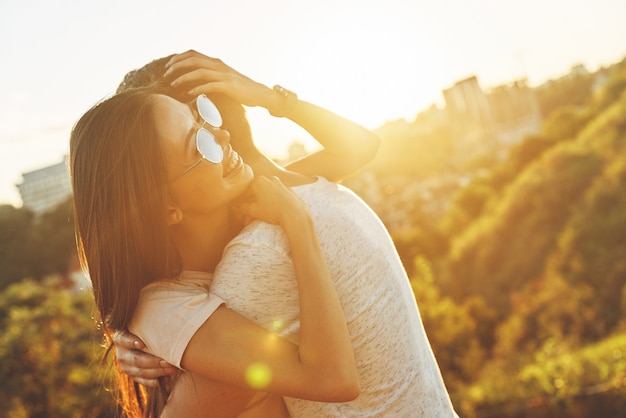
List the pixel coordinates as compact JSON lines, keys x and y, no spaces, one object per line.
{"x":206,"y":144}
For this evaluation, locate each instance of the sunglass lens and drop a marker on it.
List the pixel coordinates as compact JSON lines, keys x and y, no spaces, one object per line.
{"x":208,"y":111}
{"x":208,"y":147}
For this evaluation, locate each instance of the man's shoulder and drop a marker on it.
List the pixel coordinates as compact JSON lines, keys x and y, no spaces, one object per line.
{"x":259,"y":233}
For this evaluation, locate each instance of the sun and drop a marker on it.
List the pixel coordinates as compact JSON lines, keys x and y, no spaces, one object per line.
{"x":365,"y":67}
{"x":368,"y":68}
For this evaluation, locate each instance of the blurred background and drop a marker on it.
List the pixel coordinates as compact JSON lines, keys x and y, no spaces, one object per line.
{"x":501,"y":177}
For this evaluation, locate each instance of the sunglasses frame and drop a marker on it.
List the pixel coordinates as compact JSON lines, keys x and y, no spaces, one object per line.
{"x":202,"y":129}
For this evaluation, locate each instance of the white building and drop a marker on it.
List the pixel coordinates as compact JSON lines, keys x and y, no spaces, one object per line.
{"x":45,"y":188}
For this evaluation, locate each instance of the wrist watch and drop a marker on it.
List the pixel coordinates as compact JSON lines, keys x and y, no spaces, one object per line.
{"x":287,"y":104}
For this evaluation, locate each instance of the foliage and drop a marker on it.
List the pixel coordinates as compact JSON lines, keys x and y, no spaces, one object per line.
{"x":606,"y":134}
{"x":533,"y":245}
{"x":614,"y":88}
{"x":467,"y":205}
{"x":55,"y":240}
{"x":592,"y":248}
{"x":16,"y":232}
{"x":568,"y":91}
{"x":34,"y":248}
{"x":48,"y":353}
{"x":424,"y":240}
{"x":508,"y":246}
{"x":565,"y":123}
{"x":510,"y":243}
{"x":410,"y":149}
{"x":558,"y":381}
{"x":547,"y":309}
{"x":452,"y":329}
{"x":541,"y":236}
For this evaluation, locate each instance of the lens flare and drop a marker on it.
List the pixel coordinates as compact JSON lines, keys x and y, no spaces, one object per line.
{"x":258,"y":376}
{"x":277,"y":324}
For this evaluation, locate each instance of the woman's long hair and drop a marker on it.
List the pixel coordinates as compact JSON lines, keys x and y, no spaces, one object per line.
{"x":120,"y":199}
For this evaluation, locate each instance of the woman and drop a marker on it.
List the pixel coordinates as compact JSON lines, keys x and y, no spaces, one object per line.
{"x":136,"y":175}
{"x":397,"y":371}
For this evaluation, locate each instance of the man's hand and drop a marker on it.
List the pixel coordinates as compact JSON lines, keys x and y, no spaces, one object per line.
{"x":142,"y":367}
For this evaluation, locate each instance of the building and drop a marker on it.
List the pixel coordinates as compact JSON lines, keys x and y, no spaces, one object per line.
{"x":515,"y":112}
{"x":44,"y":189}
{"x":498,"y":118}
{"x":469,"y":113}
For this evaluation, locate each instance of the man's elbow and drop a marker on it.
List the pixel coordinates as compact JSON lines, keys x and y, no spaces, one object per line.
{"x":343,"y":387}
{"x":350,"y":391}
{"x":370,"y":147}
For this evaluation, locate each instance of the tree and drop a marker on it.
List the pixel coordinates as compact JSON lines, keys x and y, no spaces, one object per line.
{"x":467,"y":205}
{"x":16,"y":236}
{"x":565,"y":123}
{"x":592,"y":248}
{"x":547,"y":309}
{"x":614,"y":87}
{"x":509,"y":245}
{"x":567,"y":91}
{"x":48,"y":353}
{"x":421,"y":148}
{"x":35,"y":247}
{"x":54,"y":238}
{"x":452,"y":329}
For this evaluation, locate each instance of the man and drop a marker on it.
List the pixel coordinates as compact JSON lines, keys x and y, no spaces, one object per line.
{"x":398,"y":374}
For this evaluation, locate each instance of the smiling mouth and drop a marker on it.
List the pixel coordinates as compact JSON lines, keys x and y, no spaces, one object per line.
{"x":234,"y":161}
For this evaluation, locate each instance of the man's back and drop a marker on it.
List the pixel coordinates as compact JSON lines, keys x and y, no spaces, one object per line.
{"x":398,"y":374}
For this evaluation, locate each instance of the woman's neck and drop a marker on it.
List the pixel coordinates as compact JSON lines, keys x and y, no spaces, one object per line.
{"x":201,"y":239}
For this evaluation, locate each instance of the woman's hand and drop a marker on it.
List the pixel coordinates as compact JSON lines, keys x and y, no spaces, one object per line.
{"x":199,"y":74}
{"x":347,"y":146}
{"x":269,"y":200}
{"x":321,"y":366}
{"x":140,"y":366}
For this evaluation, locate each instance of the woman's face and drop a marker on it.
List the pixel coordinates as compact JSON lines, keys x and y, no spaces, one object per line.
{"x":207,"y":186}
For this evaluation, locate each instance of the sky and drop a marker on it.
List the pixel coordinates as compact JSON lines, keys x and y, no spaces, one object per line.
{"x":371,"y":61}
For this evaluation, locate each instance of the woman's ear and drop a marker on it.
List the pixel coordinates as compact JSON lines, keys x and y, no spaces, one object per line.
{"x":174,"y":215}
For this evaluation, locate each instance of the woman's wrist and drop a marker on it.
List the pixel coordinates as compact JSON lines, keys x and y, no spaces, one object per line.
{"x":296,"y":223}
{"x":283,"y":102}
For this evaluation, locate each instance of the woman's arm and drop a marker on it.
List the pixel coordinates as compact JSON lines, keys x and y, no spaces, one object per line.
{"x":347,"y":146}
{"x":321,"y":367}
{"x":142,"y":367}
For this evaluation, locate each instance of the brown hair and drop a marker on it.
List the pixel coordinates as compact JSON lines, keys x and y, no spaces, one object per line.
{"x":120,"y":201}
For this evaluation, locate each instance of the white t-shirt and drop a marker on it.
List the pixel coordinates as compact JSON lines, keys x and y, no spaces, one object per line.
{"x":398,"y":373}
{"x":169,"y":313}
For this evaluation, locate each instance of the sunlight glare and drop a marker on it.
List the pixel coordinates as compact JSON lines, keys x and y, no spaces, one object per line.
{"x":277,"y":324}
{"x":358,"y":65}
{"x":258,"y":375}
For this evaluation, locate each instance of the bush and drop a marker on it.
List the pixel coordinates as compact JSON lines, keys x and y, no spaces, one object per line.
{"x":48,"y":353}
{"x":561,"y":381}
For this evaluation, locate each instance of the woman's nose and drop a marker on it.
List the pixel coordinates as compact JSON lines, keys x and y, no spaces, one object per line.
{"x":222,"y":136}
